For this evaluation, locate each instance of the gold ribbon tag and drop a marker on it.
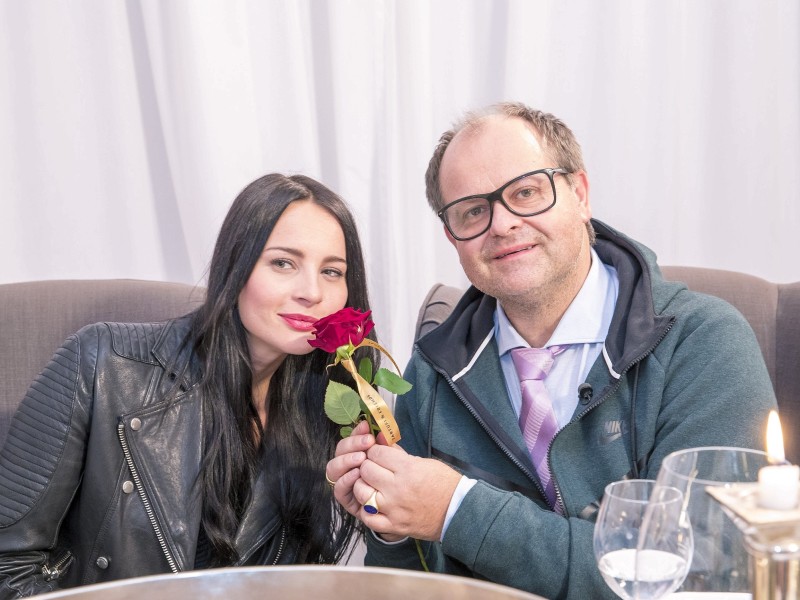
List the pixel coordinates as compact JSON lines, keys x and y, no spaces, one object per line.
{"x":375,"y":403}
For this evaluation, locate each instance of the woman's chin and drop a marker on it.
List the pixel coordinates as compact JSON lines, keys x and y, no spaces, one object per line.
{"x":301,"y":347}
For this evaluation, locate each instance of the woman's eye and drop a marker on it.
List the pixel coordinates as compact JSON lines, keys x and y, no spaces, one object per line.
{"x":333,"y":272}
{"x":281,"y":263}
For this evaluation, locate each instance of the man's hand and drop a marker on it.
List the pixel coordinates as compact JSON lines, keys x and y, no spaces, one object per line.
{"x":413,"y":493}
{"x":343,"y":468}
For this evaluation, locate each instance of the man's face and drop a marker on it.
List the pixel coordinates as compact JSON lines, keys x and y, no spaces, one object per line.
{"x":519,"y":259}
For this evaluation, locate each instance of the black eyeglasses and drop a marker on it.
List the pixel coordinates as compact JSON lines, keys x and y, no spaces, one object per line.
{"x":527,"y":195}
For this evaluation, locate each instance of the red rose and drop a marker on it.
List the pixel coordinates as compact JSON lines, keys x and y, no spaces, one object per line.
{"x":348,"y":325}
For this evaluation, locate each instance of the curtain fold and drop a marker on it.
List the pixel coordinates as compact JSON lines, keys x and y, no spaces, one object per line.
{"x":128,"y":127}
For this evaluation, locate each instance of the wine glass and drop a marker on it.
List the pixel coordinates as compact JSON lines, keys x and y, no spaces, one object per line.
{"x":720,"y":562}
{"x":642,"y":539}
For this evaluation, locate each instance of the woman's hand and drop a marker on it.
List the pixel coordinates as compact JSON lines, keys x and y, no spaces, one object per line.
{"x":344,"y":468}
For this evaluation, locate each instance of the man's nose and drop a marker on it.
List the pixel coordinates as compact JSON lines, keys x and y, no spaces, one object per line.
{"x":503,"y":220}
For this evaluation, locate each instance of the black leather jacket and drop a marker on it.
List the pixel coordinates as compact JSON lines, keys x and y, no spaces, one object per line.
{"x":97,"y":476}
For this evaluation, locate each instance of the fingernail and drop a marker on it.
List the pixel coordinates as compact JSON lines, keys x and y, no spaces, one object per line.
{"x":366,"y":439}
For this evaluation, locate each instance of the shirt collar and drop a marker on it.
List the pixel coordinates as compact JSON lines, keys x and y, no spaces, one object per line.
{"x":582,"y":323}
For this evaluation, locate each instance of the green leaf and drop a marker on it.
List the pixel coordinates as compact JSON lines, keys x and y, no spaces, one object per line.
{"x":365,"y":368}
{"x":346,"y":431}
{"x":342,"y":404}
{"x":389,"y":381}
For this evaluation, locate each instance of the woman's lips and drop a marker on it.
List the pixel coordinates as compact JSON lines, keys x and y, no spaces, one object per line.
{"x":300,"y":322}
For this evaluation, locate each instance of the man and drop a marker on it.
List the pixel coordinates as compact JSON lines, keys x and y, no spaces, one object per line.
{"x":635,"y":368}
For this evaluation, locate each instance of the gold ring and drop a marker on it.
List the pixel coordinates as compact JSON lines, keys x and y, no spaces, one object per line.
{"x":328,"y":479}
{"x":371,"y":505}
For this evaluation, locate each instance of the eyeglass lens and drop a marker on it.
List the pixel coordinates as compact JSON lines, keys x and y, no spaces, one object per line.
{"x":526,"y":196}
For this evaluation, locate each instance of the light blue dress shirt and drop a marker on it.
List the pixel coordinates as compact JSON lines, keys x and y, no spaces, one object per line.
{"x":582,"y":331}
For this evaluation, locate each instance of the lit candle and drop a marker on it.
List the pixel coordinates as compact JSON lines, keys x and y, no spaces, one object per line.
{"x":779,"y":483}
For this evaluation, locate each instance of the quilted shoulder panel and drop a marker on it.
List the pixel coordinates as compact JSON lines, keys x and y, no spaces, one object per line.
{"x":38,"y":433}
{"x":136,"y":340}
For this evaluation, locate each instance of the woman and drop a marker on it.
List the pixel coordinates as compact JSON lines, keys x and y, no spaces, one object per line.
{"x":200,"y":442}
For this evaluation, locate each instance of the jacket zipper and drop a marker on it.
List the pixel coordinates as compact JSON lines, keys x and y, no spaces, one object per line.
{"x":54,"y":572}
{"x":599,"y":401}
{"x":280,"y":546}
{"x":556,"y":487}
{"x":486,"y":428}
{"x":145,"y":500}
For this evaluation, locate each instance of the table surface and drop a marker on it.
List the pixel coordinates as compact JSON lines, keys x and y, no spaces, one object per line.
{"x":708,"y":596}
{"x":296,"y":582}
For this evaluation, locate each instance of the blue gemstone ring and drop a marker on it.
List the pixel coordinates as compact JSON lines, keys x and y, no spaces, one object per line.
{"x":371,"y":505}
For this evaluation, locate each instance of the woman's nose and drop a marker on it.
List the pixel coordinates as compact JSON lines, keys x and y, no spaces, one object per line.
{"x":308,"y":290}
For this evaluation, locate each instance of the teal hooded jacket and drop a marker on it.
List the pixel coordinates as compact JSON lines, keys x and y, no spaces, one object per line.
{"x":678,"y":370}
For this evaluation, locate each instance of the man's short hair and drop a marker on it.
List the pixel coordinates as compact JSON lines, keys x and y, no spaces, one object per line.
{"x":556,"y":138}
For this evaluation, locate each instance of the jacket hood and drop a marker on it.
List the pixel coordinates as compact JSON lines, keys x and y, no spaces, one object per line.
{"x":638,"y":324}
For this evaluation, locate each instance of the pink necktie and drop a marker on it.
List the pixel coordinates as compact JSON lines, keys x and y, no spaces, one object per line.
{"x":536,"y":419}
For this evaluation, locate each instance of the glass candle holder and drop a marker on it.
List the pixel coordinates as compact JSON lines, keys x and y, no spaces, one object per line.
{"x":771,"y":537}
{"x":720,"y":562}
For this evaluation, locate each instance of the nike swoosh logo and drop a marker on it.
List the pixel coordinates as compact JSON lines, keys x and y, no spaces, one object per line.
{"x":606,"y":439}
{"x":612,"y":431}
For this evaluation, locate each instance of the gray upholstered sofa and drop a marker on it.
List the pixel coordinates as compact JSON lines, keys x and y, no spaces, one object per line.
{"x":36,"y":317}
{"x":773,"y":311}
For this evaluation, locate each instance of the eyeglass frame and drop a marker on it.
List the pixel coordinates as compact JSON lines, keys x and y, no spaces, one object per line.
{"x":497,"y":196}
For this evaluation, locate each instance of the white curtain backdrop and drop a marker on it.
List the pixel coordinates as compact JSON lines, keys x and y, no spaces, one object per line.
{"x":128,"y":127}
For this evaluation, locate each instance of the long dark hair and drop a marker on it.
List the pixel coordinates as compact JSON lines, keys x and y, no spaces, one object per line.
{"x":299,"y":439}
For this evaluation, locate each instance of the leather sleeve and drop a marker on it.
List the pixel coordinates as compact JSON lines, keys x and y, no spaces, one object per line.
{"x":41,"y":465}
{"x":22,"y":575}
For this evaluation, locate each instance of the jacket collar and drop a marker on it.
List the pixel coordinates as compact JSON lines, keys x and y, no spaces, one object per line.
{"x":636,"y":327}
{"x":260,"y":521}
{"x":456,"y":343}
{"x":173,"y":351}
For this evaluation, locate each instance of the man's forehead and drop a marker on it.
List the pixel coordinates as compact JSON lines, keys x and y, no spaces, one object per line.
{"x":491,"y":134}
{"x":498,"y":125}
{"x":490,"y":148}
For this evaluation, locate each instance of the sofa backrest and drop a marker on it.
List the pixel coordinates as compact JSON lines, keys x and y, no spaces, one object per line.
{"x":36,"y":317}
{"x":772,"y":309}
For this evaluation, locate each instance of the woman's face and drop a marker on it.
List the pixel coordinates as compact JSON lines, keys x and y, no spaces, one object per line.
{"x":298,"y":279}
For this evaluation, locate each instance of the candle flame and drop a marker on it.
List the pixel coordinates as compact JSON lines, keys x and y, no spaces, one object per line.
{"x":775,"y":438}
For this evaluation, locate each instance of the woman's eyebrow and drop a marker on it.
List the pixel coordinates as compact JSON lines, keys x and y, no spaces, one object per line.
{"x":299,"y":253}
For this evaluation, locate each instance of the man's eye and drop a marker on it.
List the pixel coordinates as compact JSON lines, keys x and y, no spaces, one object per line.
{"x":474,"y":212}
{"x":529,"y":192}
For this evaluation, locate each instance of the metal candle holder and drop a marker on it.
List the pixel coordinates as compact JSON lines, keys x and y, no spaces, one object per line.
{"x":772,"y":539}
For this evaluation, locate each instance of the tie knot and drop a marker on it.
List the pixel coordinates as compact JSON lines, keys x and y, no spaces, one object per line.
{"x":534,"y":363}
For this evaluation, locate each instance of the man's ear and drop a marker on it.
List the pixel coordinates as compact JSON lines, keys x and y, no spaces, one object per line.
{"x":450,"y":237}
{"x":580,"y":186}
